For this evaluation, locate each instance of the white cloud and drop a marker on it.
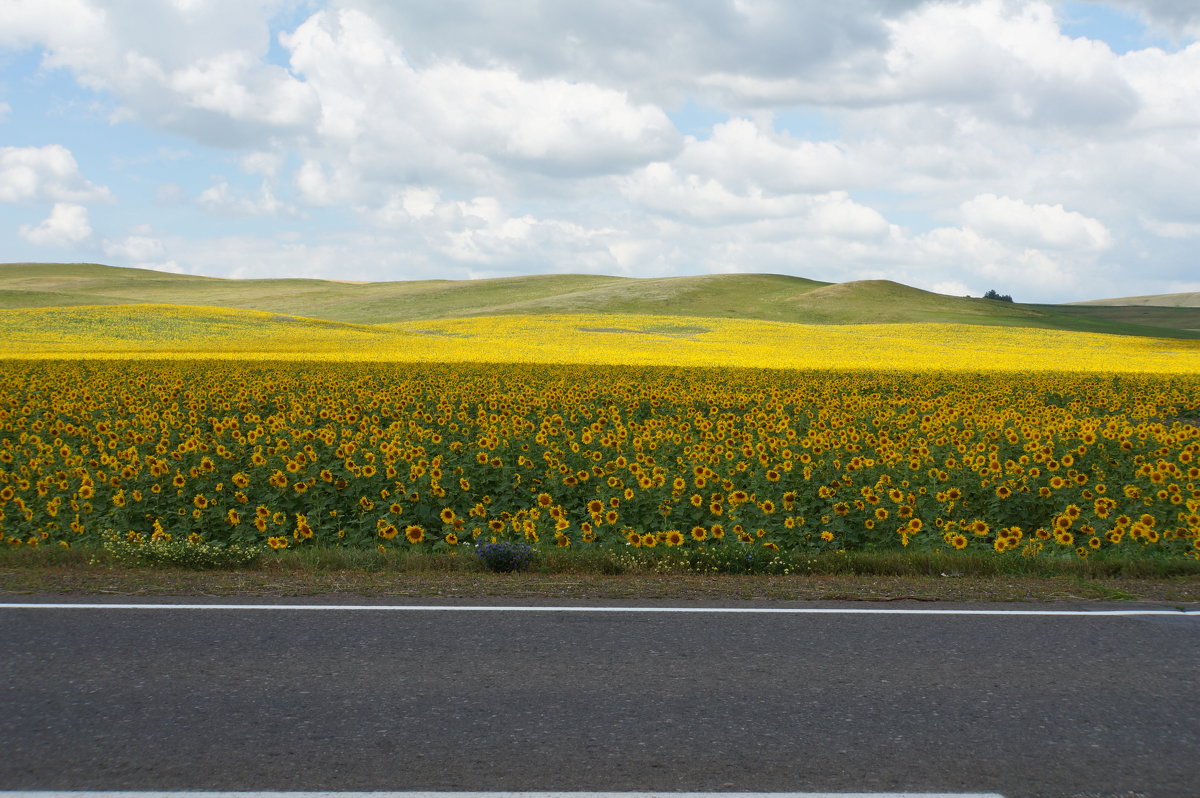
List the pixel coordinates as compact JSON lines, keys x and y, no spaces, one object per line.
{"x":67,"y":225}
{"x":950,"y":288}
{"x":191,"y":68}
{"x":960,"y":141}
{"x":1171,"y":229}
{"x":655,"y":49}
{"x":264,"y":164}
{"x":1173,"y":18}
{"x":483,"y":234}
{"x":223,"y":199}
{"x":383,"y":118}
{"x":741,"y":153}
{"x":1039,"y":226}
{"x":138,"y":250}
{"x":44,"y":173}
{"x":1167,"y":85}
{"x":664,"y":189}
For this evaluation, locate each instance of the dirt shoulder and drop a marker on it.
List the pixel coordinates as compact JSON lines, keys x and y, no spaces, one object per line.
{"x":44,"y":581}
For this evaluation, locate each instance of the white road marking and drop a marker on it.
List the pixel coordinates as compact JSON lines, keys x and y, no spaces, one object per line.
{"x":534,"y":608}
{"x":493,"y":795}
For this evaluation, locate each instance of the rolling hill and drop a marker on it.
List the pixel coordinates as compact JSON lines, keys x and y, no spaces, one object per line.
{"x":1187,"y":299}
{"x":765,"y":297}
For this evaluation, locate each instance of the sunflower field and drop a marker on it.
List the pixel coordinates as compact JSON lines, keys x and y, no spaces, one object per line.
{"x":443,"y":456}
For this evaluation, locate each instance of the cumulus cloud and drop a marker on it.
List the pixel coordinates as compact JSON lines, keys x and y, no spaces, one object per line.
{"x":387,"y":118}
{"x":67,"y":225}
{"x":137,"y":250}
{"x":1174,"y":18}
{"x":44,"y":173}
{"x":656,"y":49}
{"x":191,"y":68}
{"x":742,"y":153}
{"x":1167,"y":229}
{"x":962,"y":141}
{"x":223,"y":199}
{"x":1039,"y":226}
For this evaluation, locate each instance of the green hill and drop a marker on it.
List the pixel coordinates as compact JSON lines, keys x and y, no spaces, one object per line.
{"x":769,"y":297}
{"x":1187,"y":299}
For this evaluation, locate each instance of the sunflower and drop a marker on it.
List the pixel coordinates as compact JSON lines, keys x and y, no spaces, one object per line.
{"x":699,"y":533}
{"x":414,"y":534}
{"x":447,"y":515}
{"x":674,"y":538}
{"x":278,"y":542}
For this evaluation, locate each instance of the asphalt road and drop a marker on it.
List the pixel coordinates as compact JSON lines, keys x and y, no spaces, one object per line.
{"x":344,"y":700}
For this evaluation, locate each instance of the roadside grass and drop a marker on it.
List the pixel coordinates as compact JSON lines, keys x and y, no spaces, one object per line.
{"x":615,"y":573}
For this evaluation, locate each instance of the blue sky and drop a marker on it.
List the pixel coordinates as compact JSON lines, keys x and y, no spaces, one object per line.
{"x":1045,"y":149}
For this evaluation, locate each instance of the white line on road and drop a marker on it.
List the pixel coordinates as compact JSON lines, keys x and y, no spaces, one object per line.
{"x":495,"y":795}
{"x":534,"y":608}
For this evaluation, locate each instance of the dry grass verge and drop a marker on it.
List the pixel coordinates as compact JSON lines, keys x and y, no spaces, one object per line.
{"x":330,"y":574}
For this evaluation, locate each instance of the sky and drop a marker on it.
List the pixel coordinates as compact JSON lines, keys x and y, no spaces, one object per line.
{"x":1047,"y":150}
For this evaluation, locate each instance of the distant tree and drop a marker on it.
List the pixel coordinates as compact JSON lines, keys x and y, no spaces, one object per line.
{"x":993,"y":294}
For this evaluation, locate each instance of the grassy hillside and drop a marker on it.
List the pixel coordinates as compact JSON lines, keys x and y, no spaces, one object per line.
{"x":25,"y":285}
{"x":765,"y":297}
{"x":1187,"y":299}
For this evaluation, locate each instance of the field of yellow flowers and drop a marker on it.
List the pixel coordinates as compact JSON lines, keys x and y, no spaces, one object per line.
{"x":184,"y":332}
{"x":437,"y":456}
